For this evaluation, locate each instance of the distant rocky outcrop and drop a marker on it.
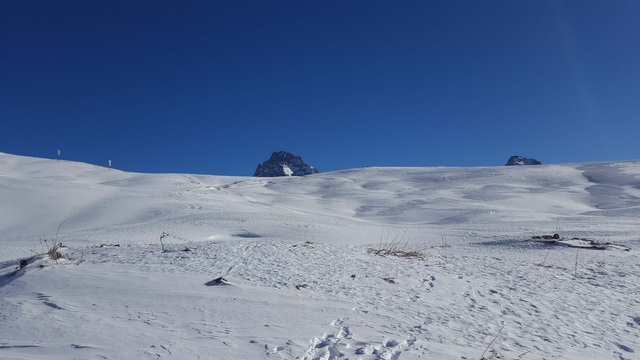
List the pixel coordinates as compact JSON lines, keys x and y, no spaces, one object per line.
{"x":519,"y":160}
{"x":282,"y":163}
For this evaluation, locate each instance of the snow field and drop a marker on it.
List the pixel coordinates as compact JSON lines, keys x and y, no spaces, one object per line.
{"x":316,"y":301}
{"x":302,"y":283}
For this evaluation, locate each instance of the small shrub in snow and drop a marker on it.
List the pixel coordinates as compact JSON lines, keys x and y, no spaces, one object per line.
{"x":54,"y":252}
{"x":445,"y":244}
{"x":49,"y":250}
{"x":492,"y":341}
{"x":166,"y":234}
{"x":397,"y":247}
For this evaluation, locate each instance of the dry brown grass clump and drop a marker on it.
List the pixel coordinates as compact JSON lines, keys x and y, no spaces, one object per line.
{"x":398,"y":246}
{"x":54,"y":252}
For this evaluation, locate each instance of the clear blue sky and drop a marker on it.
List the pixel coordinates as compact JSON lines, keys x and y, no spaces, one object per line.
{"x":214,"y":87}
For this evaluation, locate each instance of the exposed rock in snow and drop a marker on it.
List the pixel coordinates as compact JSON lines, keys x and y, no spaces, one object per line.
{"x":284,"y":163}
{"x":519,"y":160}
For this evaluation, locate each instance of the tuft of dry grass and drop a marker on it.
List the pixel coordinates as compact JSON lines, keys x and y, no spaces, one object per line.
{"x":54,"y":252}
{"x":398,"y":247}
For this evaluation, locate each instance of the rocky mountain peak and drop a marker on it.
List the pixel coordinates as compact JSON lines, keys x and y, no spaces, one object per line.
{"x":519,"y":160}
{"x":283,"y":163}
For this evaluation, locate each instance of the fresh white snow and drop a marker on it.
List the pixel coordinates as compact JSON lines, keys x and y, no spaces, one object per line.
{"x":301,"y":282}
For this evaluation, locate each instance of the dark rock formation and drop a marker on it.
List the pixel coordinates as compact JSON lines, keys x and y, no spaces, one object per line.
{"x":519,"y":160}
{"x":284,"y":163}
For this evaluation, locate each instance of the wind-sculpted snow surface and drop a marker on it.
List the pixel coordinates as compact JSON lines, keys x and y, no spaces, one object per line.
{"x":300,"y":279}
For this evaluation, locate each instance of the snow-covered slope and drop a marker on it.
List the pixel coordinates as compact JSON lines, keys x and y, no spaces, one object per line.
{"x":302,"y":282}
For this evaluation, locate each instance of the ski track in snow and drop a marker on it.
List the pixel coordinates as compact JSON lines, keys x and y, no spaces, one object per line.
{"x":301,"y":281}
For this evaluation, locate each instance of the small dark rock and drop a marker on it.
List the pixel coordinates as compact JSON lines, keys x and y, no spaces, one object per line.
{"x":23,"y":263}
{"x":217,"y":281}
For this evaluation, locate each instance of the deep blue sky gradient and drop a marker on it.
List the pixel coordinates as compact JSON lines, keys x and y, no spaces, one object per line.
{"x":214,"y":87}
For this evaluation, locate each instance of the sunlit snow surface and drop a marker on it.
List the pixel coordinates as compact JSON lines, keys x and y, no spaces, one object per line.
{"x":301,"y":281}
